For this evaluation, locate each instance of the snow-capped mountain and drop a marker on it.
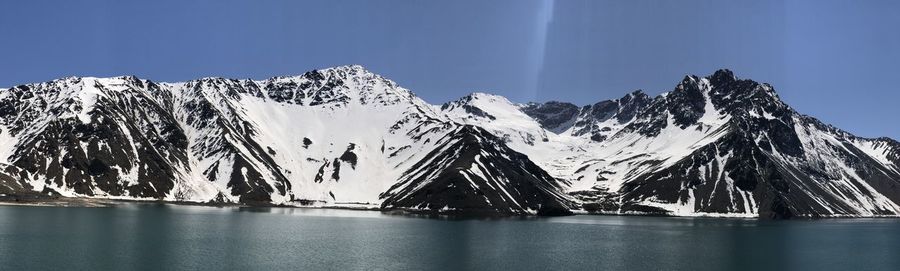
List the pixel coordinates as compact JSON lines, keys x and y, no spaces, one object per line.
{"x":341,"y":136}
{"x":335,"y":136}
{"x":715,"y":145}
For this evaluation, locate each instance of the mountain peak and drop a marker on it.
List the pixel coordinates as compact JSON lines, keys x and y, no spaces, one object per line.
{"x":637,"y":95}
{"x":352,"y":68}
{"x":482,"y":97}
{"x":479,"y":106}
{"x":722,"y":76}
{"x":336,"y":72}
{"x":337,"y":85}
{"x":724,"y":73}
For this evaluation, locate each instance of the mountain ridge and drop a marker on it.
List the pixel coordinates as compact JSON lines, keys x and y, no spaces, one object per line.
{"x":345,"y":136}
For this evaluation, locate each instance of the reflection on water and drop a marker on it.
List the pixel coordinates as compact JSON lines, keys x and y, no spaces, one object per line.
{"x":157,"y":236}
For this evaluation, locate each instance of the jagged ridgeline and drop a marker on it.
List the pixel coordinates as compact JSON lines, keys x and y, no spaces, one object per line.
{"x":343,"y":136}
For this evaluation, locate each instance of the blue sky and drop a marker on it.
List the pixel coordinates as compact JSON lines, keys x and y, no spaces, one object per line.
{"x":835,"y":60}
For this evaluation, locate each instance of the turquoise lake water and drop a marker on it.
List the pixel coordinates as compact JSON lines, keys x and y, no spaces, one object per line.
{"x":143,"y":236}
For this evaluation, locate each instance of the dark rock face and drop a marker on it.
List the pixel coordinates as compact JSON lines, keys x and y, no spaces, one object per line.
{"x":553,"y":116}
{"x":621,"y":110}
{"x":589,"y":120}
{"x":315,"y":88}
{"x":349,"y":157}
{"x":893,"y":153}
{"x":632,"y":104}
{"x":10,"y":186}
{"x":478,"y":175}
{"x":686,"y":103}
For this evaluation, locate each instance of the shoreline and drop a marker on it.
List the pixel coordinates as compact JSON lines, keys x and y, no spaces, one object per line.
{"x":107,"y":203}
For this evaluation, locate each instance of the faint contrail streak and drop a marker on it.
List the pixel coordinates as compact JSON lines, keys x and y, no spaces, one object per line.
{"x":542,"y":26}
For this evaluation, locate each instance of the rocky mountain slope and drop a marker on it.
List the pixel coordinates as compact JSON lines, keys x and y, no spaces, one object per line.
{"x":344,"y":136}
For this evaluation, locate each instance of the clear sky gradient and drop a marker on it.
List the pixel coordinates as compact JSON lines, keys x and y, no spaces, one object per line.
{"x":835,"y":60}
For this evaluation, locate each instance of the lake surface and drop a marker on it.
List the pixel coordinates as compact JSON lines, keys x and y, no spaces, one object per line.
{"x":143,"y":236}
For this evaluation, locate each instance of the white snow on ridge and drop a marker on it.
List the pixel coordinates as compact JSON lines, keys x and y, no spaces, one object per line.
{"x":553,"y":152}
{"x":589,"y":165}
{"x":621,"y":156}
{"x":821,"y":148}
{"x":388,"y":129}
{"x":360,"y":127}
{"x":875,"y":149}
